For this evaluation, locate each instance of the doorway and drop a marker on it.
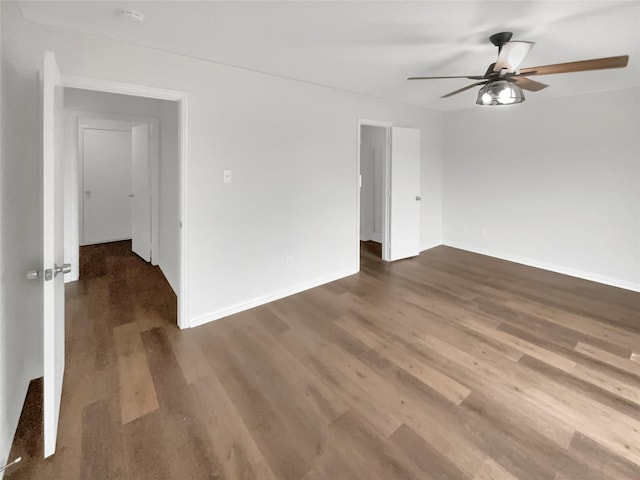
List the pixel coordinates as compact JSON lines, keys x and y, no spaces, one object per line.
{"x":388,"y":198}
{"x":373,"y":185}
{"x":167,"y":246}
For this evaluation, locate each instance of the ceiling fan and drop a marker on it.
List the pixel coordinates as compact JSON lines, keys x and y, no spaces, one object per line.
{"x":503,"y":82}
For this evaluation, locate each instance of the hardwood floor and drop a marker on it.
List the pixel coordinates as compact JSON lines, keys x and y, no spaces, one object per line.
{"x":450,"y":365}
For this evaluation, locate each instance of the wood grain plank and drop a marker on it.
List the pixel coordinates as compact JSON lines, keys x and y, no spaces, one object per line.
{"x":581,"y":323}
{"x":232,"y":441}
{"x":103,"y":458}
{"x":137,"y":393}
{"x":507,"y":389}
{"x":441,"y":383}
{"x":145,"y":460}
{"x":429,"y":460}
{"x":602,"y":462}
{"x":628,"y":365}
{"x":491,"y":470}
{"x":180,"y":417}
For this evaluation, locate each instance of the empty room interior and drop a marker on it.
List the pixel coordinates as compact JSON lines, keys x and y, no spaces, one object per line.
{"x":320,"y":240}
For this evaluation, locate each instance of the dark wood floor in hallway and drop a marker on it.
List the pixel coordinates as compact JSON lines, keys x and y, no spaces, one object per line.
{"x":450,"y":365}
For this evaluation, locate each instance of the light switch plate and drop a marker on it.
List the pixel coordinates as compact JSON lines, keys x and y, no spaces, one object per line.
{"x":226,"y":176}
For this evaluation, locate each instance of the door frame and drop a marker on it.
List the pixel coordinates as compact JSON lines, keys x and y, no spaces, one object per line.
{"x":109,"y":86}
{"x":386,"y":172}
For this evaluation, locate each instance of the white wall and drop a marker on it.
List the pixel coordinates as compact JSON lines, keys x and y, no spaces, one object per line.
{"x":167,"y":255}
{"x":20,"y":247}
{"x":556,"y":184}
{"x":292,"y":150}
{"x":373,"y":150}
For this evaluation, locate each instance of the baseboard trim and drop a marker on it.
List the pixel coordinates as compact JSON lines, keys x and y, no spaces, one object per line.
{"x":429,"y":246}
{"x":256,"y":302}
{"x":593,"y":277}
{"x":104,"y":241}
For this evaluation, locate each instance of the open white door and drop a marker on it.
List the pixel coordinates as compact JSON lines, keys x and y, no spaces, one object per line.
{"x":141,"y":186}
{"x":53,"y":246}
{"x":404,"y":208}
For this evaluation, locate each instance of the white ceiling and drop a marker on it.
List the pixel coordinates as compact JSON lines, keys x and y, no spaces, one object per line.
{"x":371,"y":47}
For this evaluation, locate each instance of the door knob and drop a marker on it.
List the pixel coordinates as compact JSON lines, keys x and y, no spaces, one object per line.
{"x":65,"y":268}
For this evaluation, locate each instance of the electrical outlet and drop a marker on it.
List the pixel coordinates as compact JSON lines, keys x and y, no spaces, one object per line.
{"x":226,"y":176}
{"x":483,"y":231}
{"x":465,"y":228}
{"x":289,"y":261}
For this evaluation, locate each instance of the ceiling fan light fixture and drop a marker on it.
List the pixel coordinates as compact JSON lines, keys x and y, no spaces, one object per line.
{"x":500,"y":92}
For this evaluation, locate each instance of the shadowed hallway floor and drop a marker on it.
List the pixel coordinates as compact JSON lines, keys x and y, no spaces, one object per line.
{"x":450,"y":365}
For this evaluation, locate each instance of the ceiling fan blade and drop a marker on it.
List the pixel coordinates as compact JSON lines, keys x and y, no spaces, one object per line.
{"x":584,"y":65}
{"x":528,"y":84}
{"x":476,"y":77}
{"x":463,"y":89}
{"x":511,"y":55}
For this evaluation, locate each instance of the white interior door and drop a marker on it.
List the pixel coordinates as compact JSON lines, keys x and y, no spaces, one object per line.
{"x":106,"y":159}
{"x":53,"y":246}
{"x":141,"y":188}
{"x":404,"y":205}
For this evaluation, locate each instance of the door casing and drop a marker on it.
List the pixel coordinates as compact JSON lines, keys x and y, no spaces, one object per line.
{"x":109,"y":86}
{"x":385,"y":185}
{"x":386,"y":212}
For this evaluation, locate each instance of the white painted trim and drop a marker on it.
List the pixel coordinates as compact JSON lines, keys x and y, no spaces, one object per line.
{"x":256,"y":302}
{"x":184,"y":321}
{"x":386,"y":207}
{"x":372,"y":237}
{"x":374,"y":123}
{"x":102,"y":85}
{"x":107,"y":241}
{"x":110,"y":86}
{"x":429,"y":246}
{"x":593,"y":277}
{"x":386,"y":169}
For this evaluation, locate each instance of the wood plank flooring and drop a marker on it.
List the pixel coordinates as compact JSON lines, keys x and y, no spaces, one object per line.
{"x":450,"y":365}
